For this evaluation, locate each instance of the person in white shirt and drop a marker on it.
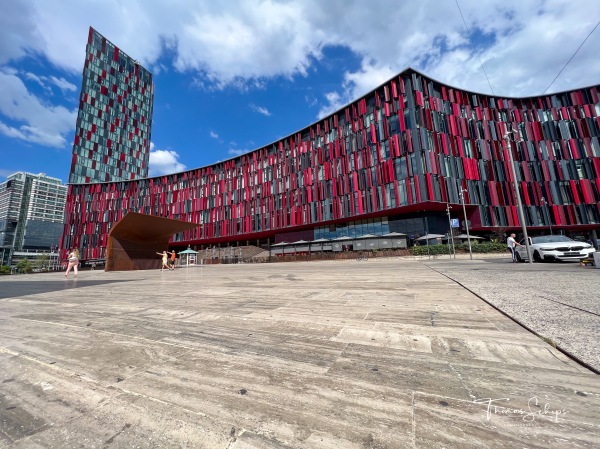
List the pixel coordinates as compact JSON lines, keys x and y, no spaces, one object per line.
{"x":73,"y":261}
{"x":512,"y":244}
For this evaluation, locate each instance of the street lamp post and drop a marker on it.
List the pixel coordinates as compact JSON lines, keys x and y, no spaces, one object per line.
{"x":545,"y":203}
{"x":462,"y":200}
{"x":427,"y":239}
{"x":517,"y":193}
{"x":450,"y":236}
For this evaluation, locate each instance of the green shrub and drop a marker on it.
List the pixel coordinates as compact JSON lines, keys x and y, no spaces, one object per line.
{"x":4,"y":269}
{"x":481,"y":248}
{"x":24,"y":266}
{"x":433,"y":250}
{"x":487,"y":247}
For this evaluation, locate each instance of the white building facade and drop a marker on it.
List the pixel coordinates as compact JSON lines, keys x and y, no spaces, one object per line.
{"x":32,"y":211}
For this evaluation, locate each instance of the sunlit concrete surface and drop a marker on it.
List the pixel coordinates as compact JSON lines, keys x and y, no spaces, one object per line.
{"x":558,"y":301}
{"x":349,"y":354}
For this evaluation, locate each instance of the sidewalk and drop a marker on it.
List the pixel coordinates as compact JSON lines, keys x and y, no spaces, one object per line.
{"x":375,"y":354}
{"x":558,"y":301}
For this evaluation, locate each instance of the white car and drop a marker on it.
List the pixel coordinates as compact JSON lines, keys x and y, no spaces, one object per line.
{"x":555,"y":247}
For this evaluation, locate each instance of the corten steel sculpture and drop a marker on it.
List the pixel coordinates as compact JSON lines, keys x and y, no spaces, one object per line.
{"x":134,"y":241}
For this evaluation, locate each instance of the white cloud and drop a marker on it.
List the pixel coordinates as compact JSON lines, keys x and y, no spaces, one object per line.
{"x":248,"y":40}
{"x":163,"y":162}
{"x":63,"y":84}
{"x":311,"y":100}
{"x":33,"y":77}
{"x":214,"y":135}
{"x":356,"y":84}
{"x":59,"y":30}
{"x":157,"y":69}
{"x":32,"y":120}
{"x":334,"y":102}
{"x":260,"y":109}
{"x":43,"y":81}
{"x":33,"y":135}
{"x":40,"y":80}
{"x":236,"y":152}
{"x":18,"y":32}
{"x":524,"y":55}
{"x":522,"y":45}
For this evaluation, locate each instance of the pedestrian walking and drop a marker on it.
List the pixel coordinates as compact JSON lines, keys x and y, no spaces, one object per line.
{"x":512,"y":244}
{"x":165,"y":260}
{"x":173,"y":257}
{"x":73,"y":258}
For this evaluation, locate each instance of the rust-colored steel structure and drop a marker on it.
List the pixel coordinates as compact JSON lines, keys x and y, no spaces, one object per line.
{"x":134,"y":241}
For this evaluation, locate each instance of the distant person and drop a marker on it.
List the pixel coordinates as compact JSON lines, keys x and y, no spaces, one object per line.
{"x":73,"y":258}
{"x":165,"y":261}
{"x":512,"y":244}
{"x":173,"y":257}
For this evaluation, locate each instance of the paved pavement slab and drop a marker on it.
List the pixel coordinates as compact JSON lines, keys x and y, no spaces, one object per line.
{"x":558,"y":301}
{"x":344,"y":354}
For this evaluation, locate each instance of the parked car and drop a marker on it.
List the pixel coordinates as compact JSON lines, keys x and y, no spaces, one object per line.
{"x":555,"y":247}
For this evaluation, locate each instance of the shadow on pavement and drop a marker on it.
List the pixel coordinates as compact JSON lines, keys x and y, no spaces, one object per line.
{"x":23,"y":288}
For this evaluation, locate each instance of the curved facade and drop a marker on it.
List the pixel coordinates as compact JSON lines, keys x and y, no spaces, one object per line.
{"x":390,"y":161}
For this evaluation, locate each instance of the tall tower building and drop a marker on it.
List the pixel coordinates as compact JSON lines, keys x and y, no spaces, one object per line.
{"x":114,"y":122}
{"x":32,"y":209}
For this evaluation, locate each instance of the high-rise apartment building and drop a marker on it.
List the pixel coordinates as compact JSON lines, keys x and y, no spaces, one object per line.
{"x":32,"y":211}
{"x":114,"y":122}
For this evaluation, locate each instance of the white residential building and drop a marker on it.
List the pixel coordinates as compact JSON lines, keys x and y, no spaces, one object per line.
{"x":32,"y":211}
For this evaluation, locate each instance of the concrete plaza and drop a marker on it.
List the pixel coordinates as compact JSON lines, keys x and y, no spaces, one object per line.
{"x":558,"y":301}
{"x":386,"y":353}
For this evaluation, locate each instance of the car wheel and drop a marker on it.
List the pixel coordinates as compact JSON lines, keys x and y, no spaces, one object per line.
{"x":519,"y":258}
{"x":537,"y":257}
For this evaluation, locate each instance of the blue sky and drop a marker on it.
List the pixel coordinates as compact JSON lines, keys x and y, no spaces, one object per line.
{"x":233,"y":76}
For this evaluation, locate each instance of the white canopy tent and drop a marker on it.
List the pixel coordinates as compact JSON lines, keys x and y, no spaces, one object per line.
{"x":430,"y":237}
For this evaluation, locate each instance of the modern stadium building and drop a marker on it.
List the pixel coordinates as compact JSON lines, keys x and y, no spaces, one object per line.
{"x":390,"y":161}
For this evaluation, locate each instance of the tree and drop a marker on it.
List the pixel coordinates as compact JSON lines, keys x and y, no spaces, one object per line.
{"x":24,"y":266}
{"x":41,"y":262}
